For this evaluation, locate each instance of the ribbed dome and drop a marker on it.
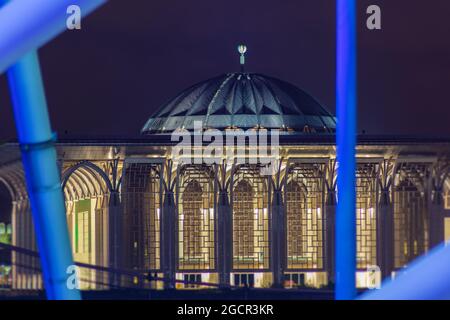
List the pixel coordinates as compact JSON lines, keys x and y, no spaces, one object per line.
{"x":242,"y":100}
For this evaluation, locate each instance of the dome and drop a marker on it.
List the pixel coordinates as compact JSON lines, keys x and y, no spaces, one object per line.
{"x":243,"y":100}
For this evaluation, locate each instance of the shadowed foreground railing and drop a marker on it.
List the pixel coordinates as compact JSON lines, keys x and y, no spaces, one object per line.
{"x":26,"y":274}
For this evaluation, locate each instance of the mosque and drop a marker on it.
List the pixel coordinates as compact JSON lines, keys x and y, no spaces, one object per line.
{"x":132,"y":205}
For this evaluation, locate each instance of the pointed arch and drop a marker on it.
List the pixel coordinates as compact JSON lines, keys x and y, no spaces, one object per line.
{"x":196,"y":218}
{"x":250,"y":218}
{"x":304,"y":193}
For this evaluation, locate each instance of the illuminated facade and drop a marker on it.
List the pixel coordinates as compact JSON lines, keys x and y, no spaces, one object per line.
{"x":132,"y":205}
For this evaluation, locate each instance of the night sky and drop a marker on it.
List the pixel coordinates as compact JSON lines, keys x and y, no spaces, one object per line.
{"x":132,"y":56}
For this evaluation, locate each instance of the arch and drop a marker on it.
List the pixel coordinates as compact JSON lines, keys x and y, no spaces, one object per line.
{"x":9,"y":188}
{"x":87,"y":164}
{"x":6,"y":194}
{"x":243,"y":224}
{"x":367,"y":178}
{"x":250,"y":218}
{"x":192,"y":203}
{"x":75,"y":188}
{"x":16,"y":177}
{"x":295,"y":216}
{"x":304,"y":192}
{"x":85,"y":187}
{"x":70,"y":191}
{"x":88,"y":181}
{"x":196,"y":218}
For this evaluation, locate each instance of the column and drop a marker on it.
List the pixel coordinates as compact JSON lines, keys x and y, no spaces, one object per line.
{"x":115,"y":256}
{"x":330,"y":219}
{"x":225,"y":239}
{"x":168,"y":239}
{"x":278,"y":239}
{"x":15,"y":230}
{"x":385,"y":238}
{"x":436,"y":217}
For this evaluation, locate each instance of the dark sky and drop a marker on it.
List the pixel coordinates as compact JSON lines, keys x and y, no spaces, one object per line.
{"x":131,"y":56}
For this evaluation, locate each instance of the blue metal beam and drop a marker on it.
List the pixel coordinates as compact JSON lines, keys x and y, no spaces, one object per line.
{"x":346,"y":143}
{"x":42,"y":175}
{"x":26,"y":25}
{"x":427,"y":278}
{"x":29,"y":24}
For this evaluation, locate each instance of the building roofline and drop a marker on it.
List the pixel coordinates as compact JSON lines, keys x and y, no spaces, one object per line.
{"x":284,"y":139}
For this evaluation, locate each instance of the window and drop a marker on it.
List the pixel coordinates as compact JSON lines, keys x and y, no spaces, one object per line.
{"x":141,"y":200}
{"x":196,"y":219}
{"x":83,"y":226}
{"x":192,"y":278}
{"x":447,"y":230}
{"x":83,"y":230}
{"x":410,"y":214}
{"x":244,"y":280}
{"x":447,"y":200}
{"x":366,"y":216}
{"x":304,"y":222}
{"x":5,"y":233}
{"x":250,"y":220}
{"x":243,"y":222}
{"x":192,"y":220}
{"x":293,"y":280}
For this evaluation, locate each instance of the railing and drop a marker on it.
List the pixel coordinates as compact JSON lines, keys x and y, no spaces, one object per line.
{"x":26,"y":274}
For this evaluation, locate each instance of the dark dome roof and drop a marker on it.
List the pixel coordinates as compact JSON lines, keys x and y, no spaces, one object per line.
{"x":242,"y":100}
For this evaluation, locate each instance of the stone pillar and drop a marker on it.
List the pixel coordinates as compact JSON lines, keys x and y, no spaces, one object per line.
{"x":115,"y":235}
{"x":385,"y":235}
{"x":168,"y":239}
{"x":15,"y":231}
{"x":225,"y":239}
{"x":330,"y":218}
{"x":436,"y":218}
{"x":278,"y":240}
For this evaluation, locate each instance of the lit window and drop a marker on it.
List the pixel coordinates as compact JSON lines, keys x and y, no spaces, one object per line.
{"x":304,"y":197}
{"x":244,"y":280}
{"x":196,"y":219}
{"x":447,"y":200}
{"x":142,"y":209}
{"x":410,"y":214}
{"x":191,"y":279}
{"x":82,"y":230}
{"x":250,"y":220}
{"x":366,"y":221}
{"x":447,"y":230}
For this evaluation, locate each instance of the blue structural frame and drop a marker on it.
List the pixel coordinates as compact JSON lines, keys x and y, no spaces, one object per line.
{"x":29,"y":24}
{"x":346,"y":144}
{"x":20,"y":38}
{"x":42,"y":175}
{"x":427,"y":278}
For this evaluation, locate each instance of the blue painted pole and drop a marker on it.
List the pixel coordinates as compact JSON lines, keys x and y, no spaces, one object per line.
{"x":346,"y":143}
{"x":29,"y":24}
{"x":42,"y":175}
{"x":26,"y":25}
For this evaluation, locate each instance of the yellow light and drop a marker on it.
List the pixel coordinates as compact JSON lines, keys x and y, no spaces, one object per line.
{"x":371,"y":213}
